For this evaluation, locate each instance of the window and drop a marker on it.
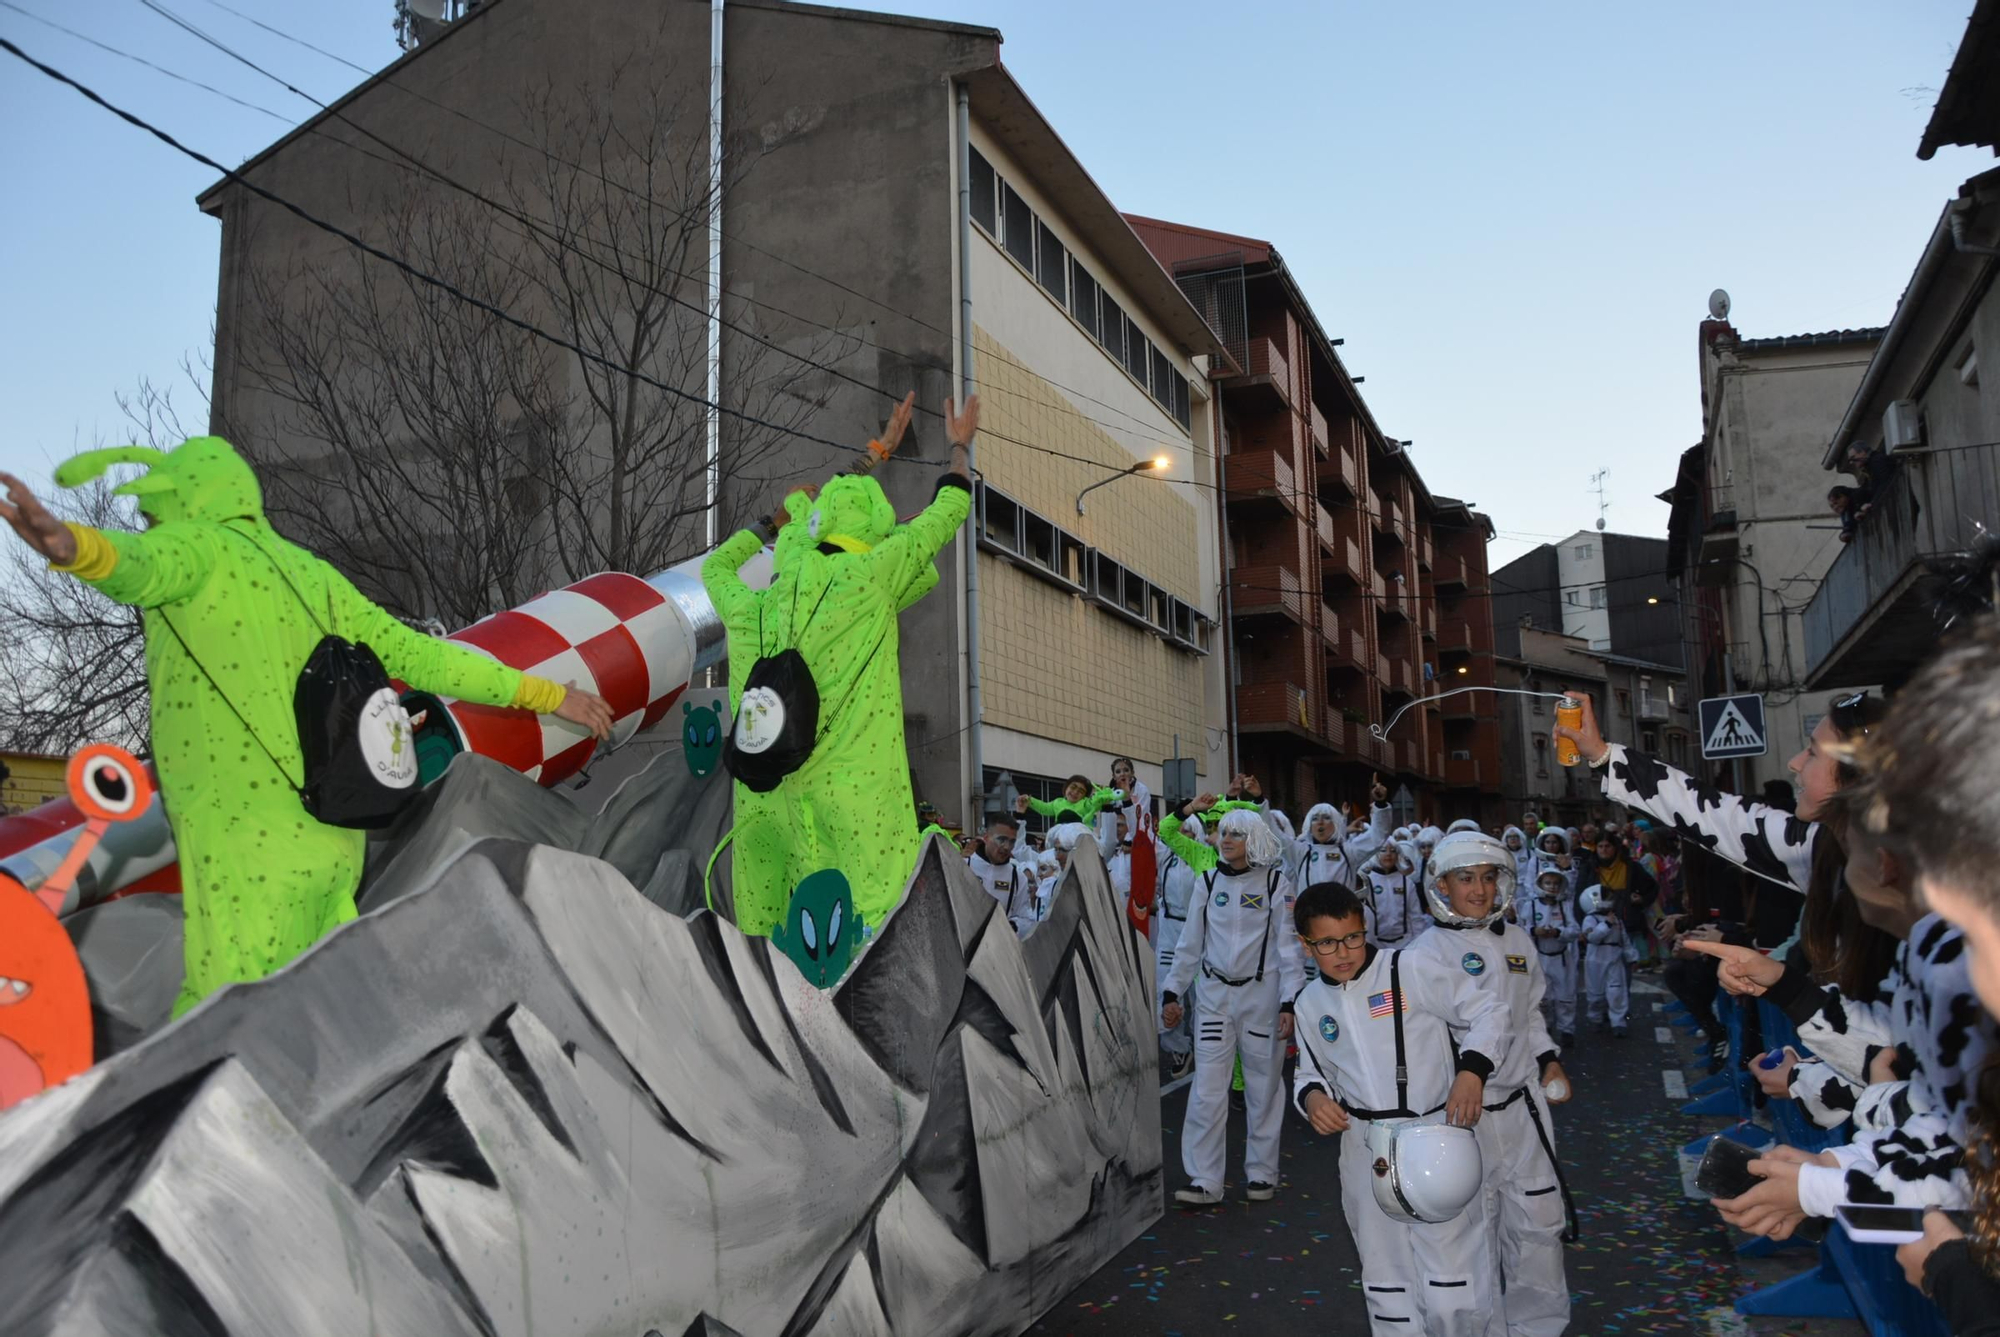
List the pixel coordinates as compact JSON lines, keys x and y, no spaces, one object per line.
{"x":1000,"y":521}
{"x":1624,"y":703}
{"x":999,"y":209}
{"x":1968,"y":366}
{"x":1542,"y":755}
{"x":1136,"y":350}
{"x":1673,"y":694}
{"x":1020,"y":225}
{"x":1052,"y":263}
{"x":984,"y":188}
{"x":1649,"y":741}
{"x":1583,"y":551}
{"x":1083,"y":291}
{"x":1597,"y":596}
{"x":1113,"y":334}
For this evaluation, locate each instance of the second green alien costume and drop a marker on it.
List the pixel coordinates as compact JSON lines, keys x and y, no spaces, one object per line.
{"x":261,"y":879}
{"x":843,"y":570}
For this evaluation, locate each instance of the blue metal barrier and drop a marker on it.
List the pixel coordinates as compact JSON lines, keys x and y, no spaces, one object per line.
{"x":1736,"y":1097}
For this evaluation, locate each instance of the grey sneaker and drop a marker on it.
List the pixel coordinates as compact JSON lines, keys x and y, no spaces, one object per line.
{"x":1181,"y":1065}
{"x":1194,"y":1195}
{"x":1259,"y":1191}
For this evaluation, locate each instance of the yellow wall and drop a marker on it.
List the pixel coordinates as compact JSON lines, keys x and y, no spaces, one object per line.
{"x":35,"y":780}
{"x":1053,"y":663}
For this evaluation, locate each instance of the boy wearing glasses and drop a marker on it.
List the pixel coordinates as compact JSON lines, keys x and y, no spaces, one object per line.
{"x":1375,"y":1046}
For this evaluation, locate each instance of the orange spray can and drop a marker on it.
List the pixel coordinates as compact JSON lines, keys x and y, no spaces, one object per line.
{"x":1569,"y":712}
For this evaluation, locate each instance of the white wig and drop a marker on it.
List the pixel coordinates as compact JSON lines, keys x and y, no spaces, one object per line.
{"x":1046,"y":865}
{"x":1260,"y":842}
{"x":1284,"y":825}
{"x":1429,"y":835}
{"x":1331,"y":813}
{"x":1193,"y":829}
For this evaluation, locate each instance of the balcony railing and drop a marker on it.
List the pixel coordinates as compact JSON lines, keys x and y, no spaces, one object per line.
{"x":1339,"y":469}
{"x":1262,"y":473}
{"x":1653,"y":709}
{"x":1871,"y":620}
{"x":1323,"y":526}
{"x":1265,"y":364}
{"x":1345,"y":564}
{"x":1267,"y":588}
{"x":1273,"y":703}
{"x":1316,"y":422}
{"x":1329,"y":626}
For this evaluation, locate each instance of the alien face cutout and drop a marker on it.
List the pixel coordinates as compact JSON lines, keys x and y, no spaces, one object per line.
{"x":760,"y":719}
{"x":820,"y":932}
{"x":701,"y":736}
{"x":45,"y":1028}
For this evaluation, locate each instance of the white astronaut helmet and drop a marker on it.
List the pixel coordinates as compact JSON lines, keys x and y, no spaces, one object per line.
{"x":1594,"y":900}
{"x":1426,"y":1170}
{"x":1468,"y":849}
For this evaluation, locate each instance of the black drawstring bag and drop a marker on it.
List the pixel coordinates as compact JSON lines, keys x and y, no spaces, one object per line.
{"x":354,"y":735}
{"x":360,"y":755}
{"x":778,"y":718}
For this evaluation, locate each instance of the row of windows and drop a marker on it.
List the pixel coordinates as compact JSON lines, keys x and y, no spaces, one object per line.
{"x":1045,"y":549}
{"x":1007,"y":218}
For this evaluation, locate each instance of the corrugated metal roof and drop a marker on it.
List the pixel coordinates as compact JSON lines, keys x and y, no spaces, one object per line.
{"x":1868,"y":335}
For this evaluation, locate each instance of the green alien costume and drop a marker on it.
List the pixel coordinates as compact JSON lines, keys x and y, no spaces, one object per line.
{"x":226,"y":637}
{"x":843,"y":570}
{"x":1085,"y":810}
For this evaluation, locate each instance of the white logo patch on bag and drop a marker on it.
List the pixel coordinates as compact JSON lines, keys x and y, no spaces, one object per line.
{"x":760,"y":718}
{"x":387,"y":743}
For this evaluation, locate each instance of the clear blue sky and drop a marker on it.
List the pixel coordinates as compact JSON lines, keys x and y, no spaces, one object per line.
{"x":1512,"y":214}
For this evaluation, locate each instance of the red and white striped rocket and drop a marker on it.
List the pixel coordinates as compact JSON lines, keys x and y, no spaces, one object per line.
{"x":637,"y":643}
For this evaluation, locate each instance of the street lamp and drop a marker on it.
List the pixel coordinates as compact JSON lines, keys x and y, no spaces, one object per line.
{"x":1157,"y":462}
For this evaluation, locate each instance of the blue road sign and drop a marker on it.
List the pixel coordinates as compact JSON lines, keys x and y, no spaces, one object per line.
{"x":1732,"y":726}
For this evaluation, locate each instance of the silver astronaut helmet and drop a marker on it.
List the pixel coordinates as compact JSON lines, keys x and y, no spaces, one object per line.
{"x":1425,"y":1170}
{"x":1468,"y":849}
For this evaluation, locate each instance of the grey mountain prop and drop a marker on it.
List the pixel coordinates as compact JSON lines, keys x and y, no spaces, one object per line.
{"x":519,"y":1096}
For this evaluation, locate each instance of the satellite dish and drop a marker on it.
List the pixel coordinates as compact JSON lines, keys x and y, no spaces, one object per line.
{"x":1600,"y":524}
{"x":431,"y":9}
{"x":1718,"y":304}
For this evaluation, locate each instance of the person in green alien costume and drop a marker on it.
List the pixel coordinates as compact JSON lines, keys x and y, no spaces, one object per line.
{"x":843,"y":557}
{"x":226,"y":637}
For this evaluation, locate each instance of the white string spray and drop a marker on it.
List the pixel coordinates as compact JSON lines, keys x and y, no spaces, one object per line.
{"x":1381,"y":731}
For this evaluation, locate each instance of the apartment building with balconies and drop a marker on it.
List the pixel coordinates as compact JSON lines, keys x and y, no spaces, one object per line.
{"x":1350,"y":590}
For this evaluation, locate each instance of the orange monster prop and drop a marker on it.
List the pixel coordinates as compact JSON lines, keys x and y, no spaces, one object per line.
{"x":45,"y":1031}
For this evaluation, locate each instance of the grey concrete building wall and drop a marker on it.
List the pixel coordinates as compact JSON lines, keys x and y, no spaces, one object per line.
{"x":1635,"y":570}
{"x":1525,"y":587}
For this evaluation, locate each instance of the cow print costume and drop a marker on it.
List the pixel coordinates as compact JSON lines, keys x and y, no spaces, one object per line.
{"x":1910,"y":1133}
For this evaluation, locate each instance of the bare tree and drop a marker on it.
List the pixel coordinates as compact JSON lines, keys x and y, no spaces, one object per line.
{"x":72,"y":662}
{"x":454,"y":463}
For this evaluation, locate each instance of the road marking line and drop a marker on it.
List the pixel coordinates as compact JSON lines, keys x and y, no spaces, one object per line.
{"x":1663,"y":1035}
{"x":1174,"y":1086}
{"x":1676,"y":1083}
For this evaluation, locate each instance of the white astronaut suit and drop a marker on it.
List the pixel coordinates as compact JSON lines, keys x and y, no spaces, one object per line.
{"x":1527,"y":1202}
{"x":1232,"y":946}
{"x":1556,"y":955}
{"x":1379,"y":1044}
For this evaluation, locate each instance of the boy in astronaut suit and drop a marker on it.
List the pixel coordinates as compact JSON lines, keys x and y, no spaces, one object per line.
{"x":1374,"y":1051}
{"x":1393,"y":889}
{"x":1547,"y":919}
{"x":1604,"y":976}
{"x":1234,"y":937}
{"x":1526,"y":1198}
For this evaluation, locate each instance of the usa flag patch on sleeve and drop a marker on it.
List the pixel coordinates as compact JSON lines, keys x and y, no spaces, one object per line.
{"x":1381,"y":1004}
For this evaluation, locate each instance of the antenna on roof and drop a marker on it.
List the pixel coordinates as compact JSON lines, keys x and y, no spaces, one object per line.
{"x":1597,"y":486}
{"x":1718,"y":304}
{"x":418,"y":21}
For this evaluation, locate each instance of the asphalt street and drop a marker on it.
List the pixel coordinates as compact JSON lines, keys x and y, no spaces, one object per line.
{"x":1650,"y":1260}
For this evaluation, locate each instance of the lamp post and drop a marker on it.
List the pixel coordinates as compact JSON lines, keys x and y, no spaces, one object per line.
{"x":1157,"y":462}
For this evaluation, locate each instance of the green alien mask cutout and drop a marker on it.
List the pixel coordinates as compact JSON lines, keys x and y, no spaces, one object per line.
{"x":820,"y":932}
{"x":701,"y":736}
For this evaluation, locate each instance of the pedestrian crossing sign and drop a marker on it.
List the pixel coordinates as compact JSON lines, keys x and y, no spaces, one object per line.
{"x":1732,"y":726}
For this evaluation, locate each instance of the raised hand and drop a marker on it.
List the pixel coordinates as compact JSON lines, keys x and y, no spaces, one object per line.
{"x":1378,"y":793}
{"x":1588,"y":738}
{"x":32,"y":521}
{"x":899,"y":423}
{"x":960,"y":428}
{"x":1020,"y":805}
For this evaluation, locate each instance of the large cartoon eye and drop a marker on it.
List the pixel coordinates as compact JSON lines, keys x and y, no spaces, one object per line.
{"x":834,"y":925}
{"x":809,"y":933}
{"x":688,"y":736}
{"x":714,"y":732}
{"x":108,"y":784}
